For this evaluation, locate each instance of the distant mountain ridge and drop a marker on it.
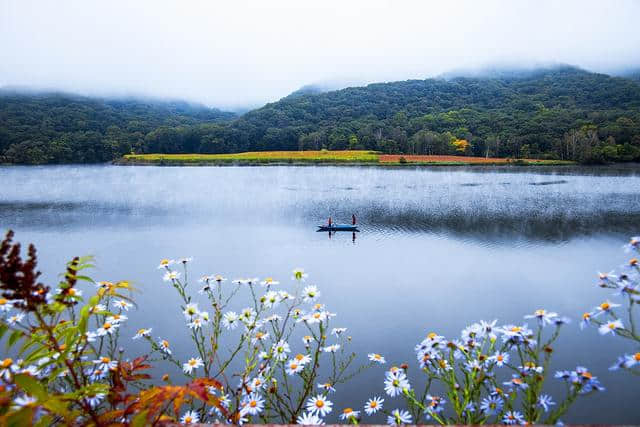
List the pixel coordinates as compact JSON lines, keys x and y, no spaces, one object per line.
{"x":558,"y":112}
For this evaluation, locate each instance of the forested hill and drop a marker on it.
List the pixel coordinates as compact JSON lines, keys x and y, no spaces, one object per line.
{"x":64,"y":128}
{"x":561,"y":113}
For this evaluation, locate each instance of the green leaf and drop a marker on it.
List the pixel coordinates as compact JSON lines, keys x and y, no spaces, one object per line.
{"x":15,"y":336}
{"x":3,"y":329}
{"x":31,"y":386}
{"x":44,"y":421}
{"x":140,"y":419}
{"x":22,"y":417}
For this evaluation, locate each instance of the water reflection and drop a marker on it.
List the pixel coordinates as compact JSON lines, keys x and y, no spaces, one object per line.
{"x":433,"y":252}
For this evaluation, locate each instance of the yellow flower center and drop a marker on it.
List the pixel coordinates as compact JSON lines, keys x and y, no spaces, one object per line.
{"x":253,"y":403}
{"x":432,"y":335}
{"x":299,"y":357}
{"x":165,"y":343}
{"x":612,"y":325}
{"x":164,"y":262}
{"x":499,"y":358}
{"x":373,"y":404}
{"x":316,"y":315}
{"x":105,"y":360}
{"x":319,"y":403}
{"x":637,"y":357}
{"x":586,"y":316}
{"x":3,"y":301}
{"x":293,"y":366}
{"x":540,"y":312}
{"x":106,"y":326}
{"x":72,"y":291}
{"x":516,"y":329}
{"x":192,"y":362}
{"x":6,"y":363}
{"x":188,"y":419}
{"x":347,"y":410}
{"x":141,"y":331}
{"x":605,"y":306}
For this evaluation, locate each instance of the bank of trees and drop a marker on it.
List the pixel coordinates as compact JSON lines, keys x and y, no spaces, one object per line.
{"x":561,"y":113}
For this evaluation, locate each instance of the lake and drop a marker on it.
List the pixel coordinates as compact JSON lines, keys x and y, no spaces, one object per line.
{"x":438,"y":248}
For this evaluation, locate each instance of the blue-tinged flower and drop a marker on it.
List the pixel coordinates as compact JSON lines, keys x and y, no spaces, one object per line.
{"x":395,"y":383}
{"x":399,"y":417}
{"x":610,"y":327}
{"x":513,"y":417}
{"x":586,"y":320}
{"x":434,"y":405}
{"x":605,"y":307}
{"x":373,"y":405}
{"x":545,"y":401}
{"x":517,"y":382}
{"x":633,"y":245}
{"x":630,"y":360}
{"x":620,"y":363}
{"x":544,"y":317}
{"x":491,"y":405}
{"x":500,"y":359}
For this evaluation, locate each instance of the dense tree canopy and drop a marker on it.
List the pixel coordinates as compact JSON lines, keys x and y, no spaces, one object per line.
{"x":62,"y":128}
{"x":560,"y":113}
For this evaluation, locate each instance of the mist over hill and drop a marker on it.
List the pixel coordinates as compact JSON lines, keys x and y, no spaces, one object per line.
{"x":558,"y":112}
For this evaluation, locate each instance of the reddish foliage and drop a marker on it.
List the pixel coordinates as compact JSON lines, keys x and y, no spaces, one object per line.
{"x":19,"y":279}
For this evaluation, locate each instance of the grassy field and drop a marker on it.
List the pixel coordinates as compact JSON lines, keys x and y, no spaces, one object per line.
{"x":324,"y":156}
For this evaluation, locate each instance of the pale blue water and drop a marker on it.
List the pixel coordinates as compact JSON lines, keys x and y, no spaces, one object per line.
{"x":438,"y":248}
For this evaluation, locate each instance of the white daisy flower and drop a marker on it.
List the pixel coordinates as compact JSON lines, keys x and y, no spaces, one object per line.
{"x":269,"y":282}
{"x":142,"y":333}
{"x":375,"y":357}
{"x":252,"y":404}
{"x":196,"y":323}
{"x":193,"y":363}
{"x":23,"y":400}
{"x":328,"y":387}
{"x":309,"y":419}
{"x":122,"y":304}
{"x":270,"y":299}
{"x":164,"y":346}
{"x":373,"y":405}
{"x":610,"y":327}
{"x":543,"y":316}
{"x":190,"y":311}
{"x":395,"y":383}
{"x":280,"y":350}
{"x":247,"y":314}
{"x":299,"y":274}
{"x":319,"y":405}
{"x":293,"y":367}
{"x":170,"y":276}
{"x":399,"y":417}
{"x":348,"y":413}
{"x":107,"y":328}
{"x":165,"y":263}
{"x":117,"y":318}
{"x":605,"y":307}
{"x":302,"y":359}
{"x":16,"y":318}
{"x":259,"y":336}
{"x":190,"y":417}
{"x":5,"y":304}
{"x":338,"y":331}
{"x":72,"y":292}
{"x":310,"y":294}
{"x":230,"y":320}
{"x":105,"y":363}
{"x":331,"y":348}
{"x":98,"y":308}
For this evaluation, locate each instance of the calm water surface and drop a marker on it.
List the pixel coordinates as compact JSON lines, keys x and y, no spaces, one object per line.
{"x":438,"y":248}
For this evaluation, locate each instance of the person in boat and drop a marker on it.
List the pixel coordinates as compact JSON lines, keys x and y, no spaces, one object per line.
{"x":353,"y":219}
{"x":329,"y":222}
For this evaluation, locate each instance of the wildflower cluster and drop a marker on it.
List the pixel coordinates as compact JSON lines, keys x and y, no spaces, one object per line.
{"x":266,"y":355}
{"x":619,"y":319}
{"x":491,"y":374}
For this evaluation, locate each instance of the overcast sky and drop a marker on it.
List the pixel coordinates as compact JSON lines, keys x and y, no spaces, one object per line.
{"x":245,"y":53}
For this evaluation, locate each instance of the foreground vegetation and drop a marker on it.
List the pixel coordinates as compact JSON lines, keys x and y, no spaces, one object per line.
{"x":320,"y":157}
{"x":278,"y":359}
{"x":555,"y":114}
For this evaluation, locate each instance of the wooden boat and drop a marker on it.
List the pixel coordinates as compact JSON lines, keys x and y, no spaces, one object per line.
{"x":338,"y":227}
